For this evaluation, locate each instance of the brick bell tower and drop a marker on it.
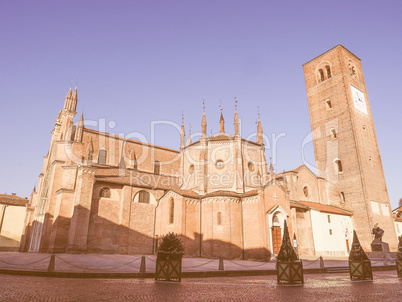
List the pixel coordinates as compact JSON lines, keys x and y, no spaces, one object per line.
{"x":345,"y":143}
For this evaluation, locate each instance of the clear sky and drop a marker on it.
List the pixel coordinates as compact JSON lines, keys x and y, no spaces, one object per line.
{"x":135,"y":62}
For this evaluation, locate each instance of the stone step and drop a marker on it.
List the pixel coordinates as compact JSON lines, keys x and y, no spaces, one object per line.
{"x":339,"y":269}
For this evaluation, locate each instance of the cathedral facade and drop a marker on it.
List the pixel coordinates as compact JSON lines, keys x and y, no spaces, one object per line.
{"x":100,"y":193}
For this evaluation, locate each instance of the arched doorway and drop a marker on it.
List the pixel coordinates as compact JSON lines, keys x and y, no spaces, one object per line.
{"x":276,"y":234}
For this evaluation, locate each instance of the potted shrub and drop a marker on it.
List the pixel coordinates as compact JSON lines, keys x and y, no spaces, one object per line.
{"x":169,"y":258}
{"x":289,"y":268}
{"x":399,"y":258}
{"x":359,"y":263}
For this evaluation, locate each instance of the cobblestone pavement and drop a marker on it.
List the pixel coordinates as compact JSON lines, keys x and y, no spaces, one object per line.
{"x":330,"y":287}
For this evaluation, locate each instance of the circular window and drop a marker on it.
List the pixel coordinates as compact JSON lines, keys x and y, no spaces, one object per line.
{"x":219,"y":164}
{"x":191,"y":169}
{"x":250,"y":166}
{"x":305,"y":191}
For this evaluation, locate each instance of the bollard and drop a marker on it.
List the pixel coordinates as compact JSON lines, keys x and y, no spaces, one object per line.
{"x":221,"y":267}
{"x":322,"y":262}
{"x":143,"y":267}
{"x":52,"y":262}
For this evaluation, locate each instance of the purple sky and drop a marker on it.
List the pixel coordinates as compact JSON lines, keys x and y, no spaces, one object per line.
{"x":140,"y":61}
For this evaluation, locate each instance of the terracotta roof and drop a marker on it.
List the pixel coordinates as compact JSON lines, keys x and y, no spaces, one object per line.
{"x":296,"y":170}
{"x":191,"y":194}
{"x":128,"y":140}
{"x":221,"y":136}
{"x":399,"y":219}
{"x":398,"y":209}
{"x":137,"y":178}
{"x":295,"y":204}
{"x":326,"y":208}
{"x":13,"y":200}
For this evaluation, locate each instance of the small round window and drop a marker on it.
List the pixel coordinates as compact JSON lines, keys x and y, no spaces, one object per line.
{"x":250,"y":166}
{"x":191,"y":169}
{"x":219,"y":164}
{"x":305,"y":191}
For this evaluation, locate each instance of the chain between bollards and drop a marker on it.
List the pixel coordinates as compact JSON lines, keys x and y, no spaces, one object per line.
{"x":322,"y":265}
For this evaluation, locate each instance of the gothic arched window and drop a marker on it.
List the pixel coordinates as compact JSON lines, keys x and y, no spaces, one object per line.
{"x":328,"y":104}
{"x":352,"y":69}
{"x":338,"y":165}
{"x":320,"y":75}
{"x":102,"y":157}
{"x":157,"y":167}
{"x":143,"y":197}
{"x":171,"y":210}
{"x":328,"y":70}
{"x":104,"y":192}
{"x":219,"y":218}
{"x":305,"y":191}
{"x":342,"y":195}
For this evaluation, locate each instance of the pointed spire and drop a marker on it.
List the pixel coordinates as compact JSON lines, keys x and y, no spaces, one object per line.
{"x":182,"y":133}
{"x":80,"y":129}
{"x":204,"y":121}
{"x":222,"y":122}
{"x":68,"y":99}
{"x":133,"y":160}
{"x":58,"y":119}
{"x":236,"y":120}
{"x":74,"y":99}
{"x":189,"y":136}
{"x":260,"y":139}
{"x":122,"y":163}
{"x":271,"y":170}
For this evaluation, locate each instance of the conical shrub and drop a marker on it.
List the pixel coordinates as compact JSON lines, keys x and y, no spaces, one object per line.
{"x":287,"y":252}
{"x":399,"y":254}
{"x":357,"y":253}
{"x":171,"y":246}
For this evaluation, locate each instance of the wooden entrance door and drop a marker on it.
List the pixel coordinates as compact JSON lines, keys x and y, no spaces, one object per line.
{"x":276,"y":239}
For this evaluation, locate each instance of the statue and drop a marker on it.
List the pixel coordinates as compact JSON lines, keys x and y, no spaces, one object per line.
{"x":378,"y":233}
{"x":377,"y":245}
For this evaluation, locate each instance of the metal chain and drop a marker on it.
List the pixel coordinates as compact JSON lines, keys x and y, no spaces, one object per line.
{"x":97,"y":268}
{"x":198,"y":265}
{"x":23,"y":264}
{"x":312,"y":262}
{"x":245,"y":265}
{"x":150,"y":259}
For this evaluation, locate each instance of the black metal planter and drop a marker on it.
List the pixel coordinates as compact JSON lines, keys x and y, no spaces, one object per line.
{"x":399,"y":268}
{"x":168,"y":269}
{"x":290,"y":272}
{"x":360,"y":270}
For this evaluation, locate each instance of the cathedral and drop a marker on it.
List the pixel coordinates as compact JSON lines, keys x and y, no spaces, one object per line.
{"x":100,"y":193}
